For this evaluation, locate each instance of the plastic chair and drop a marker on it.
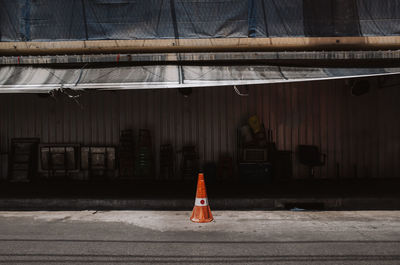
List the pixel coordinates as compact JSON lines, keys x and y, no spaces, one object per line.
{"x":310,"y":156}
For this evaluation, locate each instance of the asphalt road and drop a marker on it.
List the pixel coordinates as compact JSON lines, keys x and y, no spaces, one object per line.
{"x":166,"y":237}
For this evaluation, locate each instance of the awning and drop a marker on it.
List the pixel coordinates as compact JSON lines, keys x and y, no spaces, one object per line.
{"x":29,"y":79}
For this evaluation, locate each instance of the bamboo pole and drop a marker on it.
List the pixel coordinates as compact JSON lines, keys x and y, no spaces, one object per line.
{"x":200,"y":45}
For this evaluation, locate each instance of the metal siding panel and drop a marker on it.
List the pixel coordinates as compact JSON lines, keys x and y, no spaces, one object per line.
{"x":48,"y":115}
{"x":156,"y":125}
{"x":288,"y":89}
{"x":170,"y":117}
{"x":382,"y":133}
{"x":396,"y":124}
{"x":331,"y":132}
{"x":231,"y":118}
{"x":214,"y":118}
{"x":69,"y":134}
{"x":235,"y":118}
{"x":101,"y":119}
{"x":274,"y":117}
{"x":44,"y":110}
{"x":259,"y":103}
{"x":202,"y":128}
{"x":121,"y":114}
{"x":3,"y":139}
{"x":357,"y":135}
{"x":175,"y":121}
{"x":31,"y":130}
{"x":58,"y":122}
{"x":282,"y":111}
{"x":350,"y":137}
{"x":219,"y":113}
{"x":362,"y":131}
{"x":370,"y":129}
{"x":397,"y":132}
{"x":347,"y":116}
{"x":279,"y":112}
{"x":116,"y":125}
{"x":295,"y":126}
{"x":77,"y":127}
{"x":393,"y":144}
{"x":301,"y":99}
{"x":107,"y":101}
{"x":316,"y":112}
{"x":230,"y":128}
{"x":366,"y":132}
{"x":196,"y":120}
{"x":325,"y":103}
{"x":185,"y":120}
{"x":339,"y":126}
{"x":130,"y":110}
{"x":82,"y":121}
{"x":356,"y":125}
{"x":373,"y":153}
{"x":93,"y":120}
{"x":73,"y":123}
{"x":208,"y":123}
{"x":304,"y":103}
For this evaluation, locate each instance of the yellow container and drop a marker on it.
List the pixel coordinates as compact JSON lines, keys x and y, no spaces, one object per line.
{"x":254,"y":123}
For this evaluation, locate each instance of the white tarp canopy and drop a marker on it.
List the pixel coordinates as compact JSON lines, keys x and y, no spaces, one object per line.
{"x":29,"y":79}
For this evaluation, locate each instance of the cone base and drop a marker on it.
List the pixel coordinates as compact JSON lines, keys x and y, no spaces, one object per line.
{"x":201,"y":214}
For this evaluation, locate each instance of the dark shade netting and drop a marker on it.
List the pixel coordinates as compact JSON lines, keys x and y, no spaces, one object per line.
{"x":47,"y":20}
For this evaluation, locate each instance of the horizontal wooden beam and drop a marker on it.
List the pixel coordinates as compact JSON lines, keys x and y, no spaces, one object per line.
{"x":200,"y":45}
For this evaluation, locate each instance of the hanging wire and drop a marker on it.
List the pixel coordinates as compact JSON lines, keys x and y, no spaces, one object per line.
{"x":239,"y":93}
{"x":282,"y":74}
{"x":80,"y":74}
{"x":73,"y":94}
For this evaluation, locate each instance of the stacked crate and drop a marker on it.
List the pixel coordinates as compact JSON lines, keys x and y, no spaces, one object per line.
{"x":98,"y":162}
{"x":126,"y":154}
{"x":23,"y":159}
{"x":59,"y":161}
{"x":166,"y":161}
{"x":190,"y":163}
{"x":143,"y":158}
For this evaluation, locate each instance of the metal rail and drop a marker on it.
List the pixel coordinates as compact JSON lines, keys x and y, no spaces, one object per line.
{"x":212,"y":57}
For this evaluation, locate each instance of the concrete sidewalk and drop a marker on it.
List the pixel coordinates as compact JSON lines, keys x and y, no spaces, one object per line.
{"x":168,"y":237}
{"x":254,"y":223}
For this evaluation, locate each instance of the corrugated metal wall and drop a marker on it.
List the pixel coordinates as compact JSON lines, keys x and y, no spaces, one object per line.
{"x":360,"y":135}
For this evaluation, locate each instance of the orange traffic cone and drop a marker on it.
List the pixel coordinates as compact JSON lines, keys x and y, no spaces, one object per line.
{"x":201,"y":211}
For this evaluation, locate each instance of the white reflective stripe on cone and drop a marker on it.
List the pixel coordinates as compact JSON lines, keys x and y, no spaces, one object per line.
{"x":201,"y":202}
